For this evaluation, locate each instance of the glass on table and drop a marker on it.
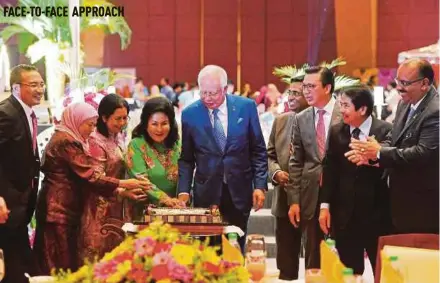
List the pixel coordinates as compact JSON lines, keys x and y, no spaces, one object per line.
{"x":255,"y":257}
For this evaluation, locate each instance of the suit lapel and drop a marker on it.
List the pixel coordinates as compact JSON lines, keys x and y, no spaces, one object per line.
{"x":311,"y":132}
{"x":23,"y":119}
{"x":404,"y":125}
{"x":208,"y":126}
{"x":334,"y":120}
{"x":233,"y":118}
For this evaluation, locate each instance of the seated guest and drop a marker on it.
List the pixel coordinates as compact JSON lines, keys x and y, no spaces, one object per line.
{"x":153,"y":153}
{"x":106,"y":145}
{"x":68,"y":168}
{"x":354,"y":200}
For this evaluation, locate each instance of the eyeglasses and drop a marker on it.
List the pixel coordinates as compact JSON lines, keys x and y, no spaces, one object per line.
{"x":406,"y":83}
{"x":308,"y":87}
{"x":294,"y":93}
{"x":35,"y":85}
{"x":206,"y":94}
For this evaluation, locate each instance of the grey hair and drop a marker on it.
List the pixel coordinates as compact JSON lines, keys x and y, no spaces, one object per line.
{"x":214,"y":71}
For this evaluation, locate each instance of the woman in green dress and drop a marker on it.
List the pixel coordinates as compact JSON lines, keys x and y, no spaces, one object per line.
{"x":153,"y":153}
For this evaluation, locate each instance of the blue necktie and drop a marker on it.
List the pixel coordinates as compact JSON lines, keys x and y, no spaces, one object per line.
{"x":410,"y":114}
{"x":219,"y":133}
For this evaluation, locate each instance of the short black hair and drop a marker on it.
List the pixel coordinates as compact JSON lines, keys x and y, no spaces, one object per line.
{"x":360,"y":96}
{"x":106,"y":108}
{"x":425,"y":70}
{"x":154,"y":105}
{"x":139,"y":79}
{"x":15,"y":77}
{"x":326,"y":76}
{"x":299,"y":79}
{"x":230,"y":82}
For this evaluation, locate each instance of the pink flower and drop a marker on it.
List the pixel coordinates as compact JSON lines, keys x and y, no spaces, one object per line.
{"x":145,"y":246}
{"x":102,"y":270}
{"x":179,"y":272}
{"x":161,"y":258}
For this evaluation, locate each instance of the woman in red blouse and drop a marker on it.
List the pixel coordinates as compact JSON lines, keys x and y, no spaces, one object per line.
{"x":68,"y":168}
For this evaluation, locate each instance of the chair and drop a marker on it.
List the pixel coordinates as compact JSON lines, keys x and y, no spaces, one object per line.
{"x":421,"y":241}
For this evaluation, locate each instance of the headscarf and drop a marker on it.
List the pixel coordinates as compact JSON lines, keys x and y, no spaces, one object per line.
{"x":73,"y":117}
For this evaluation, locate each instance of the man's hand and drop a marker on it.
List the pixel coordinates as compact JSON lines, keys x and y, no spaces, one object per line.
{"x":281,"y":177}
{"x":355,"y":156}
{"x":324,"y":220}
{"x":184,"y":198}
{"x":294,"y":215}
{"x":369,"y":149}
{"x":4,"y":212}
{"x":258,"y":198}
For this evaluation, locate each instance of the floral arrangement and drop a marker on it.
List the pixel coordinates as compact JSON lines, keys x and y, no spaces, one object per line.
{"x":158,"y":254}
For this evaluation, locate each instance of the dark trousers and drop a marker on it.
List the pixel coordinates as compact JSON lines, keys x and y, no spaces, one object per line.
{"x":288,"y":239}
{"x":312,"y":239}
{"x":17,"y":255}
{"x":233,"y":216}
{"x":353,"y":239}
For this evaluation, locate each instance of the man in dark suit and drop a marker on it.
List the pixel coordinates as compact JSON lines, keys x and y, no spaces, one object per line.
{"x":288,"y":238}
{"x":310,"y":128}
{"x":356,"y":197}
{"x":19,"y":168}
{"x":222,"y":140}
{"x":412,"y":157}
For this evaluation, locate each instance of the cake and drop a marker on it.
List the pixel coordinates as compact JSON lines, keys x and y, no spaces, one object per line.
{"x":183,"y":215}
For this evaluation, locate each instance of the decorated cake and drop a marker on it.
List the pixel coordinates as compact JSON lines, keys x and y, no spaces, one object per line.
{"x":186,"y":215}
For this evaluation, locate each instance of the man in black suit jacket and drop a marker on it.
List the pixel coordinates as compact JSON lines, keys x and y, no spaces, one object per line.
{"x":355,"y":197}
{"x":412,"y":156}
{"x":19,"y":169}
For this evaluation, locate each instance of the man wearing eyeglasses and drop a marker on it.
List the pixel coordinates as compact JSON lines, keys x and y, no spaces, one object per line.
{"x":19,"y":168}
{"x":412,"y":157}
{"x":310,"y":131}
{"x":288,"y":238}
{"x":222,"y":141}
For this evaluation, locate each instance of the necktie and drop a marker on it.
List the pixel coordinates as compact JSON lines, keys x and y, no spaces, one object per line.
{"x":410,"y":114}
{"x":355,"y":133}
{"x":34,"y":131}
{"x":219,"y":133}
{"x":320,"y":133}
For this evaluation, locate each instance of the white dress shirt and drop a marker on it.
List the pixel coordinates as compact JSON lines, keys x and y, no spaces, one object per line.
{"x":28,"y":111}
{"x":222,"y":115}
{"x":327,"y":115}
{"x":365,"y":128}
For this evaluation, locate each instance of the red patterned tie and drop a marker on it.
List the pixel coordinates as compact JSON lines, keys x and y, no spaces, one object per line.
{"x":34,"y":131}
{"x":320,"y":133}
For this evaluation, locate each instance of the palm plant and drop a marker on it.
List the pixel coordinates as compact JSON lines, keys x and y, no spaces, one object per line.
{"x":287,"y":73}
{"x":51,"y":37}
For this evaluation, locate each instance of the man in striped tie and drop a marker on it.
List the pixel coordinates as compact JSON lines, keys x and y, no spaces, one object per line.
{"x":310,"y":128}
{"x":223,"y":142}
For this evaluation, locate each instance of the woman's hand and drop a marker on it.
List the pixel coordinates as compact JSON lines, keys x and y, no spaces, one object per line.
{"x":135,"y":184}
{"x":134,"y":194}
